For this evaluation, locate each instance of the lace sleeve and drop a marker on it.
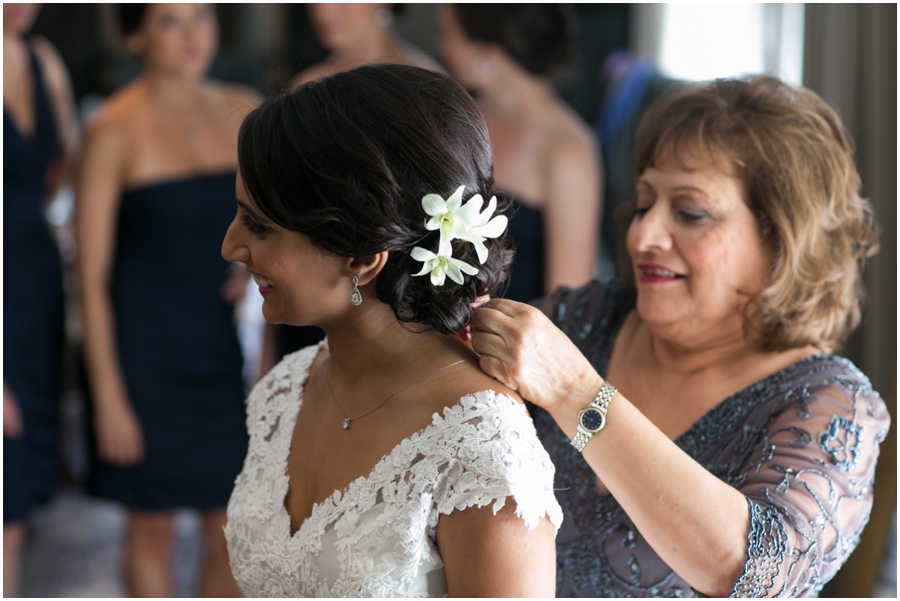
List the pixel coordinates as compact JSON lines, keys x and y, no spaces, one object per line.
{"x":496,"y":455}
{"x":809,"y":484}
{"x":269,"y":396}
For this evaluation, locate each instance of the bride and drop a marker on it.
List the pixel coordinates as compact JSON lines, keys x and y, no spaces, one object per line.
{"x":382,"y":462}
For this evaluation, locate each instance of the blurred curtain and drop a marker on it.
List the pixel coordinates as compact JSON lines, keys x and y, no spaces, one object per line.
{"x":850,"y":59}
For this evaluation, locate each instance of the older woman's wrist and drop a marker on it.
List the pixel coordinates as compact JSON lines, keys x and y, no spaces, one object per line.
{"x":577,"y":397}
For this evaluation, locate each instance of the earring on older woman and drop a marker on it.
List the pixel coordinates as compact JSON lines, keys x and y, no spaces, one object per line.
{"x":355,"y":296}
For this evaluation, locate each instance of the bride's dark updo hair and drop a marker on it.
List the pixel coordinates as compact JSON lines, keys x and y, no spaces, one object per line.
{"x":346,"y":161}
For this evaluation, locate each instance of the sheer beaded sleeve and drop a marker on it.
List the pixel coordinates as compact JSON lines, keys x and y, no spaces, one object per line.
{"x":808,"y":480}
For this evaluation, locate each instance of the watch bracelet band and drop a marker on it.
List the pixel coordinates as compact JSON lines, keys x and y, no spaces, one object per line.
{"x":600,"y":403}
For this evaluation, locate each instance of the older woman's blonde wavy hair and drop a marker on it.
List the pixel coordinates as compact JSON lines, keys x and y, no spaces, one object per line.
{"x":795,"y":159}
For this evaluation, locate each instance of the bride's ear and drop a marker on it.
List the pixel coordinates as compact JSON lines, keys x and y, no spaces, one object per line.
{"x":368,"y":267}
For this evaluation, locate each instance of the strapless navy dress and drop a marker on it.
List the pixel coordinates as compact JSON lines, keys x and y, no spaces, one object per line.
{"x":527,"y":277}
{"x":178,"y":346}
{"x":32,"y":308}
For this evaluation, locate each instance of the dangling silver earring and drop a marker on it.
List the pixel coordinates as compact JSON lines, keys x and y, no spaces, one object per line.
{"x":355,"y":296}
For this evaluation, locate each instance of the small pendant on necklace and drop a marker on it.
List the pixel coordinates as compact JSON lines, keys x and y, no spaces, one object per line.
{"x":347,"y":424}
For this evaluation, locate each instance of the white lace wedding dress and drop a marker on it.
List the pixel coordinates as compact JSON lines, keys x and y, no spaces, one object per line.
{"x":377,"y":537}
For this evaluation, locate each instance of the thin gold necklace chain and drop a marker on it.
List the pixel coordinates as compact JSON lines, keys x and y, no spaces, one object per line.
{"x":347,"y":419}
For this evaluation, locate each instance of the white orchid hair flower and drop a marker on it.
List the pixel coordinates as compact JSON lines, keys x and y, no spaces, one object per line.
{"x":457,"y":221}
{"x":441,"y":266}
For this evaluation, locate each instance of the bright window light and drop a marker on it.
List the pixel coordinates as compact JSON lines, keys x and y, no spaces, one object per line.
{"x":790,"y":67}
{"x":705,"y":41}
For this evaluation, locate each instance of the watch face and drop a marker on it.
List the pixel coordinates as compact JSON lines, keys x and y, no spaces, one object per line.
{"x":592,"y":420}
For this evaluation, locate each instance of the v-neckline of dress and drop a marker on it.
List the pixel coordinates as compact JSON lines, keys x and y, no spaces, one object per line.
{"x":744,"y":392}
{"x":695,"y":439}
{"x":323,"y":509}
{"x":695,"y":430}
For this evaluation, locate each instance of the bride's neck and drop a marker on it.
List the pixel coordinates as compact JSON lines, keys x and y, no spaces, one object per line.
{"x":371,"y":343}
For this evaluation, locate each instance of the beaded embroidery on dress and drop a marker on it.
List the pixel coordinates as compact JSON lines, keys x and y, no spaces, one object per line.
{"x":377,"y":537}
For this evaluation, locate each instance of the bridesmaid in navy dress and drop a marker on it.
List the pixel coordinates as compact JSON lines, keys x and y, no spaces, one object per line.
{"x":38,"y":115}
{"x":545,"y":157}
{"x":155,"y":197}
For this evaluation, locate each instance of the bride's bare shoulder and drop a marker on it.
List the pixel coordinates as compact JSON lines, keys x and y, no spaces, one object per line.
{"x":468,"y":379}
{"x":476,"y":380}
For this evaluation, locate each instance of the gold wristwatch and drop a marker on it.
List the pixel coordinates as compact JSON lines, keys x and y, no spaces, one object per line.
{"x":592,"y":418}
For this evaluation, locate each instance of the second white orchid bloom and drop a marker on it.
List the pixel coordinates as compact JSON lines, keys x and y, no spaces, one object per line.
{"x":463,"y":222}
{"x":441,"y":266}
{"x":483,"y":227}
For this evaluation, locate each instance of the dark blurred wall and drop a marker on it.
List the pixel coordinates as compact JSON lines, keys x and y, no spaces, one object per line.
{"x":77,"y":32}
{"x":600,"y":29}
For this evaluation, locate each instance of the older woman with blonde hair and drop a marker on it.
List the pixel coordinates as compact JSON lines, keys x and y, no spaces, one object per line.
{"x":718,"y":446}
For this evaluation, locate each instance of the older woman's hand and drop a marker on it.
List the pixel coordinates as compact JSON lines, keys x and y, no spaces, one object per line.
{"x":522,"y":348}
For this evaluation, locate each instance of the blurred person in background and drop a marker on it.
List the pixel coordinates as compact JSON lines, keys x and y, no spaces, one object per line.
{"x":545,"y":157}
{"x":737,"y":457}
{"x":39,"y":137}
{"x":357,"y":34}
{"x":154,"y":198}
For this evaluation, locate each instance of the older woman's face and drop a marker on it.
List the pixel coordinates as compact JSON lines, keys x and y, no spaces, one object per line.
{"x":696,"y":252}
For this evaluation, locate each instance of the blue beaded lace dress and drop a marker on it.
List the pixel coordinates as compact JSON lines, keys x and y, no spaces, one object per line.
{"x":801,"y":445}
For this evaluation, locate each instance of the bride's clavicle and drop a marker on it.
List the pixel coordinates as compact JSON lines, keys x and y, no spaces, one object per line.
{"x":325,"y":457}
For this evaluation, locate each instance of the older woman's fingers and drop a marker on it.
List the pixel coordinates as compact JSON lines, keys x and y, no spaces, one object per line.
{"x":481,"y":300}
{"x":520,"y":346}
{"x":508,"y":307}
{"x":489,"y":343}
{"x":497,"y":370}
{"x":499,"y":344}
{"x":485,"y":321}
{"x":490,"y":319}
